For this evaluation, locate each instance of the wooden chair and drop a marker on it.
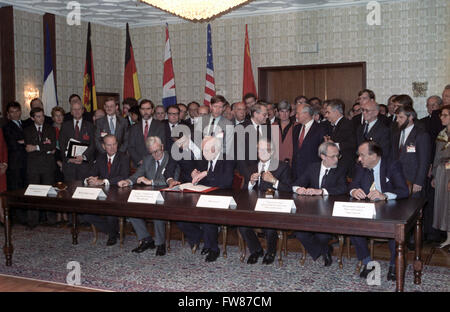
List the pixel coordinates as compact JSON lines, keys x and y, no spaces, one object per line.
{"x":121,"y":232}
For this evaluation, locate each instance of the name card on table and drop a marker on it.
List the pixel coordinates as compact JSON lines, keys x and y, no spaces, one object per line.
{"x":354,"y":210}
{"x":275,"y":205}
{"x":40,"y":190}
{"x":215,"y":201}
{"x":88,"y":193}
{"x":145,"y":197}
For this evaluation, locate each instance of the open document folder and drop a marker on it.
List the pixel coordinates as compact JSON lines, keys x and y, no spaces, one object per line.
{"x":189,"y":187}
{"x":75,"y":148}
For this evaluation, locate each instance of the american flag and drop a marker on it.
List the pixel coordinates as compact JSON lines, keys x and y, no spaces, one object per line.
{"x":210,"y":85}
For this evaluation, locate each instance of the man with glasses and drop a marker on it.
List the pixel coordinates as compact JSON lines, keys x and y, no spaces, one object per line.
{"x":151,"y":172}
{"x":173,"y":119}
{"x":373,"y":129}
{"x":321,"y":178}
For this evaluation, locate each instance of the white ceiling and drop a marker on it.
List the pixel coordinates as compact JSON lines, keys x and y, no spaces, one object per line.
{"x":117,"y":13}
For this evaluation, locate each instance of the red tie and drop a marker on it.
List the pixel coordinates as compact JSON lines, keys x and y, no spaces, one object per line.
{"x":146,"y":131}
{"x":109,"y":165}
{"x":302,"y":137}
{"x":77,"y":130}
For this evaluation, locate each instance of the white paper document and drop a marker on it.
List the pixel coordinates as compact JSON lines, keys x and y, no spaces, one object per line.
{"x":78,"y":150}
{"x":145,"y":197}
{"x":275,"y":205}
{"x":88,"y":193}
{"x":354,"y":210}
{"x":215,"y":201}
{"x":40,"y":190}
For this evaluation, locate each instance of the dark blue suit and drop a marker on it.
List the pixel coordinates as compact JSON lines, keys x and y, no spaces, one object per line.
{"x":222,"y":177}
{"x":317,"y":243}
{"x":392,"y":180}
{"x":307,"y":154}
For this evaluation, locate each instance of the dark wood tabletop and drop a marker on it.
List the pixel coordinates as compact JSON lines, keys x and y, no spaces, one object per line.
{"x":313,"y":213}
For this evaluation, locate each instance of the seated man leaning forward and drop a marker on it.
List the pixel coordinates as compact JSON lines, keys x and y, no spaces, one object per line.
{"x":267,"y":173}
{"x":151,"y":172}
{"x":321,"y":178}
{"x":376,"y":178}
{"x":109,"y":169}
{"x":212,"y":171}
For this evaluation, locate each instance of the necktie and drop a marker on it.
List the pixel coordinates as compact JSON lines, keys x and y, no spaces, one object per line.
{"x":157,"y":167}
{"x":324,"y":178}
{"x":211,"y":127}
{"x":40,"y":133}
{"x":257,"y":134}
{"x":371,"y":180}
{"x":77,"y":130}
{"x":109,"y":165}
{"x":302,"y":137}
{"x":146,"y":130}
{"x":402,"y":140}
{"x":333,"y":128}
{"x":111,"y":126}
{"x":210,"y":170}
{"x":366,"y":130}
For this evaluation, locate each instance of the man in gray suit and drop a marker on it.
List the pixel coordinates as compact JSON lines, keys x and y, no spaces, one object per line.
{"x":140,"y":131}
{"x":113,"y":124}
{"x":151,"y":172}
{"x":215,"y":124}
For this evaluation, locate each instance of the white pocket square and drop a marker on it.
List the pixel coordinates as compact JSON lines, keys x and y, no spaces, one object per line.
{"x":387,"y":180}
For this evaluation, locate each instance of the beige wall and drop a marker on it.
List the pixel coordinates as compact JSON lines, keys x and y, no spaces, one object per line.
{"x":411,"y":44}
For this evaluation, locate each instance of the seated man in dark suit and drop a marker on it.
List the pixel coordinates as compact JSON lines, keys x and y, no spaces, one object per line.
{"x":211,"y":171}
{"x":321,"y":178}
{"x":376,"y":178}
{"x":109,"y":169}
{"x":267,"y":173}
{"x":151,"y":172}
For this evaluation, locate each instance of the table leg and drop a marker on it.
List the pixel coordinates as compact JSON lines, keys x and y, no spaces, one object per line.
{"x":74,"y":229}
{"x":418,"y":264}
{"x":281,"y":234}
{"x":400,"y":265}
{"x":8,"y":247}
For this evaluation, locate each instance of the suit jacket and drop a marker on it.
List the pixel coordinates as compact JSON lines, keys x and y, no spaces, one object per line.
{"x":148,"y":170}
{"x":433,"y":125}
{"x":41,"y":159}
{"x":416,"y":162}
{"x":121,"y":133}
{"x":344,"y":135}
{"x":120,"y":168}
{"x":282,"y":173}
{"x":391,"y":178}
{"x":308,"y":154}
{"x":16,"y":152}
{"x":379,"y":133}
{"x":356,"y":121}
{"x":136,"y":142}
{"x":221,"y":177}
{"x":335,"y":183}
{"x":180,"y":170}
{"x":225,"y":125}
{"x":87,"y":134}
{"x":29,"y":122}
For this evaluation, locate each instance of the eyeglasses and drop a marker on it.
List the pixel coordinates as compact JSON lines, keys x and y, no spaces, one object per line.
{"x":155,"y":152}
{"x":364,"y":110}
{"x":338,"y":156}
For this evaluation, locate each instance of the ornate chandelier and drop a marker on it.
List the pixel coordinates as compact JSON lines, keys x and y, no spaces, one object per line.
{"x":196,"y":10}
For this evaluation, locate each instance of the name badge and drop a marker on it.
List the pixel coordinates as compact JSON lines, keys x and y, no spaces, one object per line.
{"x":215,"y":201}
{"x":88,"y":193}
{"x":411,"y":149}
{"x":354,"y":210}
{"x":39,"y":190}
{"x":275,"y":205}
{"x":145,"y":197}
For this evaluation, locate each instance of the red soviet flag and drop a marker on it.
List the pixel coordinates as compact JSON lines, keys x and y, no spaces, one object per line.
{"x":249,"y":82}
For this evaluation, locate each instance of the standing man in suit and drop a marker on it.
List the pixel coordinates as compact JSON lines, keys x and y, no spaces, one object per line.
{"x":391,"y":108}
{"x":36,"y":102}
{"x":341,"y":133}
{"x":40,"y":144}
{"x":376,"y":178}
{"x":193,"y":112}
{"x":373,"y":128}
{"x":113,"y":124}
{"x":306,"y":138}
{"x":79,"y":129}
{"x":212,"y":171}
{"x":249,"y":100}
{"x":173,"y":119}
{"x":239,"y":111}
{"x":75,"y":98}
{"x":321,"y":178}
{"x":110,"y":168}
{"x":139,"y":132}
{"x":151,"y":172}
{"x":267,"y":173}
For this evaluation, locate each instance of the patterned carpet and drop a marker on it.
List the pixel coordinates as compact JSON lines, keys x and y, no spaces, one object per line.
{"x":44,"y":253}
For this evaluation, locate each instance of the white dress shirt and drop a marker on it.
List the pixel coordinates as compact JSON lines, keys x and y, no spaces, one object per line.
{"x":262,"y":167}
{"x":323,"y":169}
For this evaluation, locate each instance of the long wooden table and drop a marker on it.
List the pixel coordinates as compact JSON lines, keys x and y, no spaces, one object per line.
{"x":393,"y":218}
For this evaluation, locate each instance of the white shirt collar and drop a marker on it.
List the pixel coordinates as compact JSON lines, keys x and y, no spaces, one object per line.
{"x":79,"y":122}
{"x":263,"y":166}
{"x":337,"y":121}
{"x":111,"y":157}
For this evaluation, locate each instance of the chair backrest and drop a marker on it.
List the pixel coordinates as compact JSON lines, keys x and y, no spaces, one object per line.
{"x":238,"y":182}
{"x":410,"y":187}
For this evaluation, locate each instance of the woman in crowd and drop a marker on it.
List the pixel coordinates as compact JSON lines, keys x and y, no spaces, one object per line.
{"x":285,"y":130}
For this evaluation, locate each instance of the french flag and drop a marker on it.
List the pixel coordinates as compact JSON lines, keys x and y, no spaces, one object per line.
{"x":49,"y":98}
{"x":210,"y":84}
{"x":169,"y":94}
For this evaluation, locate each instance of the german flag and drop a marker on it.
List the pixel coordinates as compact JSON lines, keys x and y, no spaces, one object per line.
{"x":89,"y":94}
{"x":131,"y":87}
